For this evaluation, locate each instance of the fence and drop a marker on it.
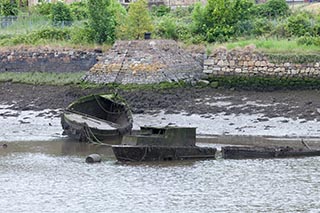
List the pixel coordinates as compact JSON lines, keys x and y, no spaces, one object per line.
{"x":23,"y":24}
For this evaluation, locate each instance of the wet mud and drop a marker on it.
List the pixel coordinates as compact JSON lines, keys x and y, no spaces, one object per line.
{"x":303,"y":105}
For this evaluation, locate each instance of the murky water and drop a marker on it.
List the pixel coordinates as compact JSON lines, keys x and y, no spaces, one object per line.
{"x":52,"y":176}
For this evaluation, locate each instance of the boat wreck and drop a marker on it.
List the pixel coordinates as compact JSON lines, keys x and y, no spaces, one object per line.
{"x":237,"y":152}
{"x":162,"y":144}
{"x":97,"y":118}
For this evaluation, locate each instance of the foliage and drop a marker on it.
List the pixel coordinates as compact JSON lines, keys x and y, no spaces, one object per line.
{"x":42,"y":78}
{"x":221,"y":19}
{"x":160,"y":10}
{"x":167,"y":28}
{"x":8,"y":8}
{"x":36,"y":37}
{"x":273,"y":45}
{"x":79,"y":11}
{"x":272,"y":9}
{"x":101,"y":21}
{"x":261,"y":26}
{"x":137,"y":22}
{"x":298,"y":24}
{"x":60,"y":13}
{"x":309,"y":40}
{"x":43,"y":8}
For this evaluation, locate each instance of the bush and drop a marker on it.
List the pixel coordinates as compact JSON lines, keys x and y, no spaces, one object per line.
{"x":81,"y":35}
{"x":160,"y":10}
{"x":79,"y":11}
{"x":36,"y":37}
{"x":60,"y":14}
{"x":261,"y":26}
{"x":167,"y":28}
{"x":309,"y":40}
{"x":272,"y":9}
{"x":43,"y":8}
{"x":7,"y":8}
{"x":298,"y":24}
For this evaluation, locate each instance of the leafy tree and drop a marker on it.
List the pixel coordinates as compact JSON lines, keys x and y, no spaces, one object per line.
{"x":221,"y":19}
{"x":60,"y":12}
{"x":137,"y":22}
{"x":101,"y":21}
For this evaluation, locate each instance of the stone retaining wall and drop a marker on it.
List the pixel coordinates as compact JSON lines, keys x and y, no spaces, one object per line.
{"x":46,"y":60}
{"x":247,"y":62}
{"x":145,"y":62}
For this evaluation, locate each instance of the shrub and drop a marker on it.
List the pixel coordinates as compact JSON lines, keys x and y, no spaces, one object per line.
{"x":298,"y":24}
{"x":8,"y":8}
{"x":167,"y":28}
{"x":309,"y":40}
{"x":60,"y":14}
{"x":261,"y":26}
{"x":160,"y":10}
{"x":272,"y":9}
{"x":80,"y":35}
{"x":79,"y":11}
{"x":42,"y":8}
{"x":36,"y":37}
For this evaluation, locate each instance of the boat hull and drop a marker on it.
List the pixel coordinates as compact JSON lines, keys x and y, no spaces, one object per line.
{"x":235,"y":152}
{"x":161,"y":153}
{"x":97,"y":118}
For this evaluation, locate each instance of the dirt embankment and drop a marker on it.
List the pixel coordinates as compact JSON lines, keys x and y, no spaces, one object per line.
{"x":290,"y":104}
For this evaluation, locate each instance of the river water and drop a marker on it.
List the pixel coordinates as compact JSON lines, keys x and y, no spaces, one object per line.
{"x":52,"y":176}
{"x":41,"y":171}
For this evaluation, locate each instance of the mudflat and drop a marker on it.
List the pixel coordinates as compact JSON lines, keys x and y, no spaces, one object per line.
{"x":294,"y":104}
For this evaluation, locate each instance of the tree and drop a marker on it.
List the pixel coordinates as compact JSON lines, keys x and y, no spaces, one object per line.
{"x":101,"y":21}
{"x":137,"y":22}
{"x":220,"y":19}
{"x":60,"y":13}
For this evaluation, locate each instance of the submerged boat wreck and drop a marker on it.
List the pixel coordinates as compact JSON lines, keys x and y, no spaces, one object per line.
{"x":236,"y":152}
{"x":97,"y":118}
{"x":161,"y":144}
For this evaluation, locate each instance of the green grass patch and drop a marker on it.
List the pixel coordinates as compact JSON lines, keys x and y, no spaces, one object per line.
{"x":274,"y":46}
{"x":43,"y":78}
{"x":159,"y":86}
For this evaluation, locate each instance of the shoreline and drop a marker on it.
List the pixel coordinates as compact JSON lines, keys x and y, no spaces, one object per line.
{"x":222,"y":114}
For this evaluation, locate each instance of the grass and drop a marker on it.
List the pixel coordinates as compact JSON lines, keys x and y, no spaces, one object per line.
{"x":273,"y":46}
{"x":43,"y":78}
{"x":309,"y":7}
{"x":75,"y":79}
{"x":25,"y":24}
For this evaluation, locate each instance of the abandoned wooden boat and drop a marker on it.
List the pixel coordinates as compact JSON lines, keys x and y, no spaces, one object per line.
{"x":161,"y":144}
{"x":97,"y":118}
{"x":236,"y":152}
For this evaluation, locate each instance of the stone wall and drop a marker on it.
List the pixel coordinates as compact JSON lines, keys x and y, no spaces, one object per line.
{"x":46,"y":60}
{"x":145,"y":62}
{"x":248,"y":62}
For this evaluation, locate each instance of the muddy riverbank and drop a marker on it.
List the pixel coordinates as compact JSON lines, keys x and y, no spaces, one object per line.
{"x":213,"y":111}
{"x":303,"y":105}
